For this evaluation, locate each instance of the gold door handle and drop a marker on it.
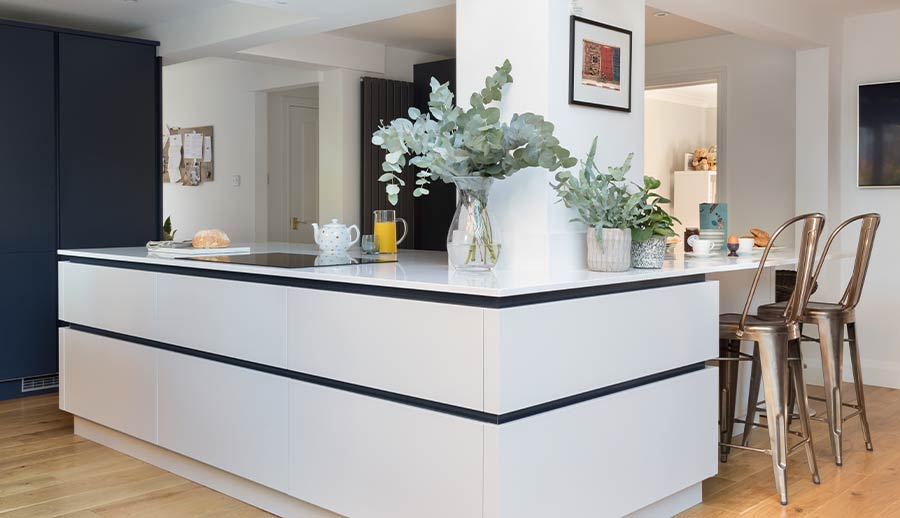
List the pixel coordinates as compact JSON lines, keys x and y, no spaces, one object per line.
{"x":295,"y":223}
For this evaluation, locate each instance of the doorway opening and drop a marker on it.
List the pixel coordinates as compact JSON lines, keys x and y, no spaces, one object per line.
{"x":682,"y":145}
{"x":293,"y":148}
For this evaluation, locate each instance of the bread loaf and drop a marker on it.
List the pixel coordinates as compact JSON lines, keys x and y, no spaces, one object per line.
{"x":210,"y":239}
{"x":760,"y":237}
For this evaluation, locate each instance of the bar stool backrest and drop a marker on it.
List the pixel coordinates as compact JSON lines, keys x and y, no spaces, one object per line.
{"x":864,"y":247}
{"x":812,"y":229}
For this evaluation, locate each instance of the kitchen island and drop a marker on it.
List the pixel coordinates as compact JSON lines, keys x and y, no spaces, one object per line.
{"x":402,"y":389}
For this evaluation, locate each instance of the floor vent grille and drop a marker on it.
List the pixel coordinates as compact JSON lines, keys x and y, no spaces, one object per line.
{"x":40,"y":382}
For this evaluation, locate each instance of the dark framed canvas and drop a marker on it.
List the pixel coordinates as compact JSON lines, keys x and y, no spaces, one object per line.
{"x":599,"y":65}
{"x":878,"y":141}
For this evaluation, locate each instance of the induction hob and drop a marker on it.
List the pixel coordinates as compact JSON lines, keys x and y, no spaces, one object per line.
{"x":285,"y":260}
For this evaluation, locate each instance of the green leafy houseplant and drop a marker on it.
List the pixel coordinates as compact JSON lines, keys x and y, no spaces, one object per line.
{"x":168,"y":233}
{"x":450,"y":142}
{"x":601,"y":199}
{"x":470,"y":148}
{"x":653,"y":220}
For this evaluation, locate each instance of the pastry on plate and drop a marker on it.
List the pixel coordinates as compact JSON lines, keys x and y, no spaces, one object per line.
{"x":760,"y":237}
{"x":210,"y":239}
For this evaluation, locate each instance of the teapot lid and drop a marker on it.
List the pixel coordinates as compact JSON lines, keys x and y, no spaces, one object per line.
{"x":334,"y":222}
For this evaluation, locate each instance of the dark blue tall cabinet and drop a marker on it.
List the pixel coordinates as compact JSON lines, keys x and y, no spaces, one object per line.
{"x":80,"y":127}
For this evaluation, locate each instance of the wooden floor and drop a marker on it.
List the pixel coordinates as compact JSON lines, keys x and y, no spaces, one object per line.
{"x":46,"y":471}
{"x":868,"y":484}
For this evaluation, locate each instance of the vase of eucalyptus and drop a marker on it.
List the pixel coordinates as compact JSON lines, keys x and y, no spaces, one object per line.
{"x":651,"y":228}
{"x":470,"y":148}
{"x":473,"y":241}
{"x":603,"y":202}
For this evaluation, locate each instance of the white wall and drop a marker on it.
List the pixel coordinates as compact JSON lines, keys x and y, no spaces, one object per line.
{"x":670,"y":130}
{"x":756,"y":178}
{"x":870,"y":44}
{"x":534,"y":35}
{"x":226,"y":94}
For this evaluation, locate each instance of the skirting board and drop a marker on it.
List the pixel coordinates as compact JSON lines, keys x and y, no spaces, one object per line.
{"x":672,"y":504}
{"x":242,"y":489}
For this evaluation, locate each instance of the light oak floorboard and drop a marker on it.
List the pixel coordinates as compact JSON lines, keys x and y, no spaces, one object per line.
{"x":47,"y":471}
{"x":867,"y":485}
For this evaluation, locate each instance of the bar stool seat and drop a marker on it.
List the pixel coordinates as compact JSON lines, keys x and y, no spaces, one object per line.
{"x":812,"y":308}
{"x":754,"y":325}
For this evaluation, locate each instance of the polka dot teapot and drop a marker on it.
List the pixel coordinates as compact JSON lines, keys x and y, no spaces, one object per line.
{"x":335,"y":237}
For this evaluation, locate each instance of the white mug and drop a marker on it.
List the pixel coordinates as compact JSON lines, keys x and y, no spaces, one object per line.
{"x":745,"y":245}
{"x":702,"y":246}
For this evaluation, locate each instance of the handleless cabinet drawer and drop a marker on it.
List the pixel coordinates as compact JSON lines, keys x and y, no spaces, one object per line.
{"x":229,"y":417}
{"x":241,"y":320}
{"x":114,"y":299}
{"x":110,"y":382}
{"x":422,"y":349}
{"x":369,"y":458}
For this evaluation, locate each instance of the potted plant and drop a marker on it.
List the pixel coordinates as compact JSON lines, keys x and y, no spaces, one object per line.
{"x":651,"y":228}
{"x":606,"y":206}
{"x":470,"y":148}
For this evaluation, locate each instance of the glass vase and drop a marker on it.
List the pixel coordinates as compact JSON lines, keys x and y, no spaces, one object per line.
{"x":473,"y":241}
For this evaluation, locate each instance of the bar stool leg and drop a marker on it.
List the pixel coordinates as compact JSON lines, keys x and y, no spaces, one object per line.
{"x":728,"y":386}
{"x":796,"y":366}
{"x":774,"y":368}
{"x":831,"y":345}
{"x":753,"y":398}
{"x":858,"y":384}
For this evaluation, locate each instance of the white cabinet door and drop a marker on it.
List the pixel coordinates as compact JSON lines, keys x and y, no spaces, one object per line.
{"x":369,"y":458}
{"x":423,"y":349}
{"x":110,"y":382}
{"x":232,"y":418}
{"x":606,"y":457}
{"x":114,"y":299}
{"x":238,"y":319}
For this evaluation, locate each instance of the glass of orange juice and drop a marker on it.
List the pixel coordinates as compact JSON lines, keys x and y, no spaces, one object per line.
{"x":386,"y":231}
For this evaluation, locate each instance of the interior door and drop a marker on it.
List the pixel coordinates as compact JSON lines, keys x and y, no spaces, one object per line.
{"x":303,"y":172}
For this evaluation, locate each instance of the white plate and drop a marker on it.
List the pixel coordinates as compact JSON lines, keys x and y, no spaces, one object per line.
{"x":699,"y":256}
{"x":759,"y":249}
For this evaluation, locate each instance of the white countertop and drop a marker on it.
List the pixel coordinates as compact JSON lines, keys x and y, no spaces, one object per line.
{"x":429,"y":271}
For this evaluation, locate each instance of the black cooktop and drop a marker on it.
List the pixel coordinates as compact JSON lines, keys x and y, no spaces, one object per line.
{"x":283,"y":260}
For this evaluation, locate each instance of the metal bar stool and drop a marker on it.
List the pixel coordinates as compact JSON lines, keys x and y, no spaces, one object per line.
{"x":778,"y":355}
{"x":831,"y":318}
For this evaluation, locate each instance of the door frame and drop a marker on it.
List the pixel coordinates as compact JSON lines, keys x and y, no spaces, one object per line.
{"x":704,"y":76}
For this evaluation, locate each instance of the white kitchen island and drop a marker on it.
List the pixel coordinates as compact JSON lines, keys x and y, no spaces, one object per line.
{"x":401,"y":389}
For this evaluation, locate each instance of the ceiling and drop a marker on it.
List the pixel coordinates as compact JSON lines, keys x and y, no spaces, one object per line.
{"x":671,"y":28}
{"x":109,"y":16}
{"x":432,"y":31}
{"x":846,"y":8}
{"x":703,"y":96}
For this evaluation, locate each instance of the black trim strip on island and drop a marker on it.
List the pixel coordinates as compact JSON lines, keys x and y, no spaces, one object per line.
{"x":459,"y":299}
{"x":427,"y":404}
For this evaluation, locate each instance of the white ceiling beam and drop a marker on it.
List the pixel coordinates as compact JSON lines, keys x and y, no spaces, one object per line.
{"x":226,"y":30}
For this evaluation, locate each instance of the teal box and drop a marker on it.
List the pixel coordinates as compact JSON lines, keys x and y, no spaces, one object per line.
{"x":714,"y":216}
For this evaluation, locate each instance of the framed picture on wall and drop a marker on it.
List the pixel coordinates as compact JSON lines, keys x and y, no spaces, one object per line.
{"x":879,"y":135}
{"x":599,"y":65}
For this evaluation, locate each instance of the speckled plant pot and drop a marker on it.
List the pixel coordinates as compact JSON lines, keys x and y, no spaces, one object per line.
{"x":612,"y":253}
{"x":648,"y":254}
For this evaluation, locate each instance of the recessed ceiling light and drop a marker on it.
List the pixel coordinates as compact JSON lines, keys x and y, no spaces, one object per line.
{"x":660,"y":14}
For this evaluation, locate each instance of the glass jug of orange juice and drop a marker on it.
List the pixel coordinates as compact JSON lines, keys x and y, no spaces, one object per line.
{"x":386,"y":231}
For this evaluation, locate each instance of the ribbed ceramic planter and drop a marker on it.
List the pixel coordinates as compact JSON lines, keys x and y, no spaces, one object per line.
{"x":648,"y":254}
{"x":612,"y":253}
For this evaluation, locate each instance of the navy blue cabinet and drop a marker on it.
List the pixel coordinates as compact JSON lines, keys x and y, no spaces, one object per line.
{"x":27,"y":141}
{"x":80,"y":139}
{"x":108,"y":143}
{"x":28,"y":314}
